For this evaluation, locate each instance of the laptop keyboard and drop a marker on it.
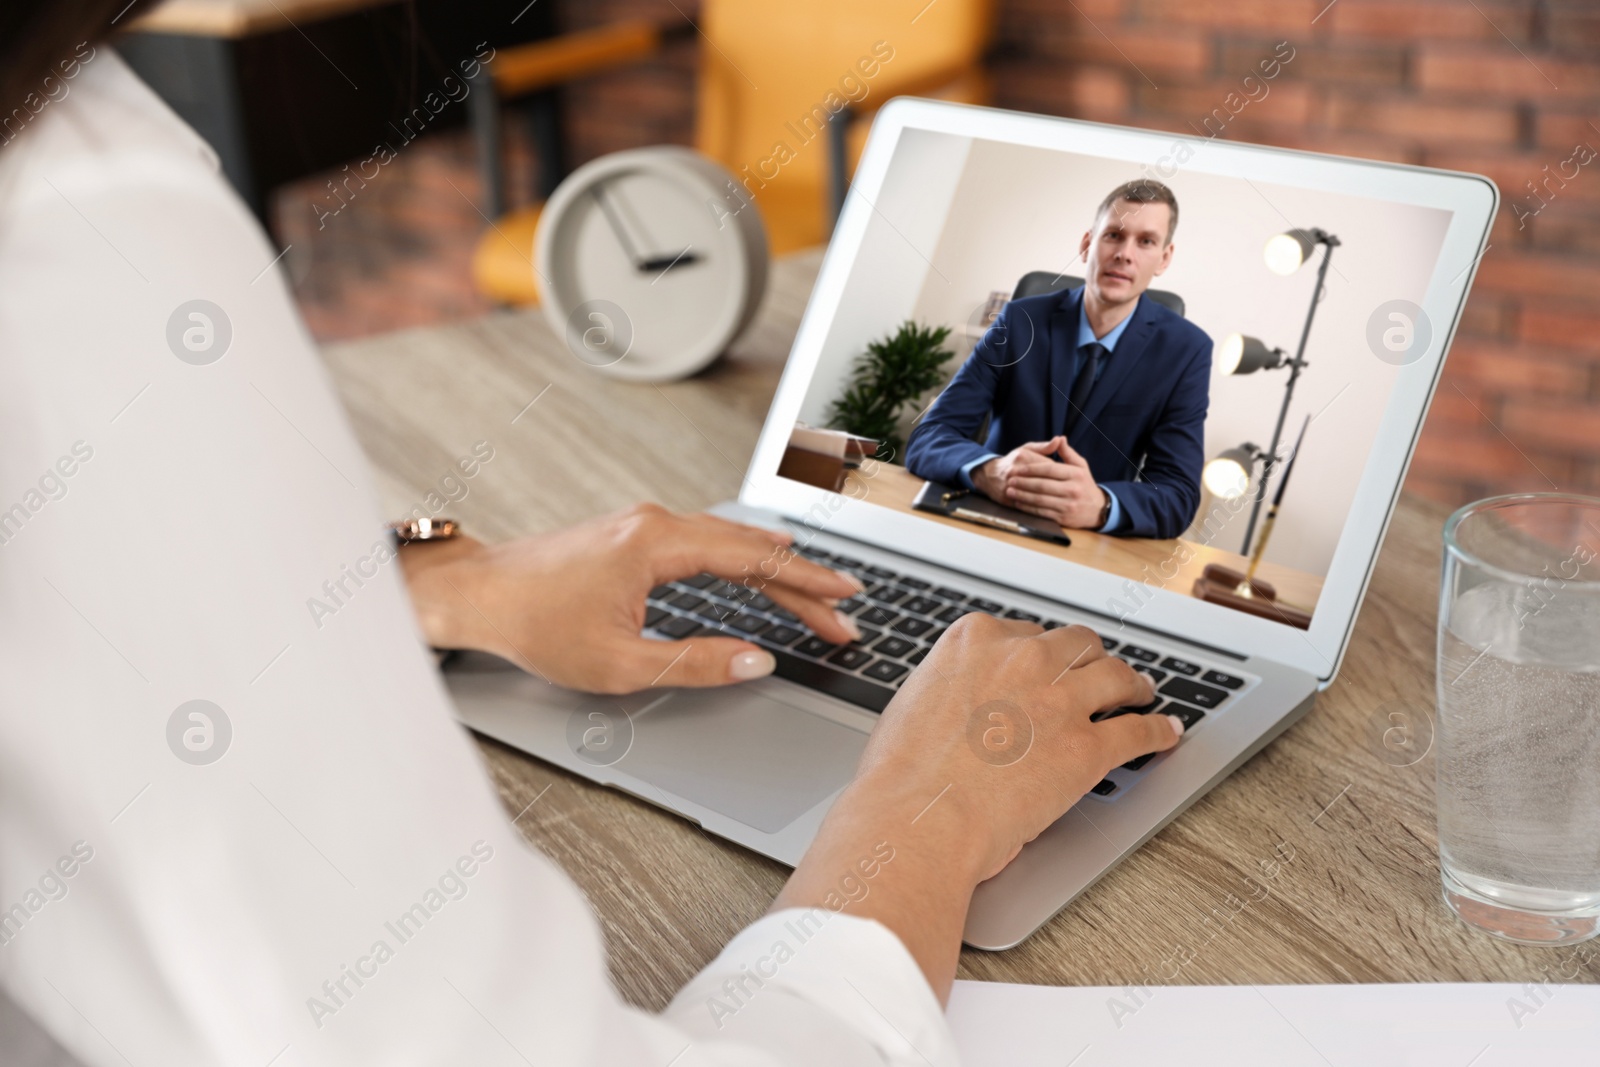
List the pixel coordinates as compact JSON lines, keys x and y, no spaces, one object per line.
{"x":900,"y":618}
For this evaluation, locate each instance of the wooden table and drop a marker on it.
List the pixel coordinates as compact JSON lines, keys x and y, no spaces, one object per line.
{"x":1358,"y":902}
{"x":1171,"y":563}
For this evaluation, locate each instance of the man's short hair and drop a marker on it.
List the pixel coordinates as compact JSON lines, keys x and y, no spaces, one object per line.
{"x":1142,"y":191}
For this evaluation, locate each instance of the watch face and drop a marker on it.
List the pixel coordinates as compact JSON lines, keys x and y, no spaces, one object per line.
{"x":650,"y":275}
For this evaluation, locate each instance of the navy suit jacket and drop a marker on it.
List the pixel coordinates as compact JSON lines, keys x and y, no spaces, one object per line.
{"x":1142,"y":431}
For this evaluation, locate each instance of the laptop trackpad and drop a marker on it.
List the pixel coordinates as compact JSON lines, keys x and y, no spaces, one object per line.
{"x":742,"y":754}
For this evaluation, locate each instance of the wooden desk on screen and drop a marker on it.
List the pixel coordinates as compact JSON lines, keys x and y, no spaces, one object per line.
{"x":1170,"y":564}
{"x":1358,"y":903}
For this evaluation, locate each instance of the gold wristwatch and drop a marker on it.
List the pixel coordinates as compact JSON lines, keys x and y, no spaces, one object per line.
{"x":408,"y":530}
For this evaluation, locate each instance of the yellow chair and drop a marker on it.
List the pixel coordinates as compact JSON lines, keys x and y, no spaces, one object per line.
{"x":781,"y":87}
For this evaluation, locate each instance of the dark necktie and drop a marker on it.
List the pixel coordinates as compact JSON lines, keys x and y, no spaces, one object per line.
{"x":1093,"y":352}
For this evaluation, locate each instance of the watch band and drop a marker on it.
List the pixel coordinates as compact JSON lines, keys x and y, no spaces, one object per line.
{"x":1105,"y":512}
{"x":425,"y":529}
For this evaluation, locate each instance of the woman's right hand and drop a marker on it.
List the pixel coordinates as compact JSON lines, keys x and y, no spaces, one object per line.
{"x":1000,"y":713}
{"x":988,"y":743}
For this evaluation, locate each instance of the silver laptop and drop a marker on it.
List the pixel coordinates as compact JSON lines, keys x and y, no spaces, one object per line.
{"x":955,"y":213}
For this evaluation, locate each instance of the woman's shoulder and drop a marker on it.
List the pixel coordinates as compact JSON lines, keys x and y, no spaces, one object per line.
{"x":93,"y":124}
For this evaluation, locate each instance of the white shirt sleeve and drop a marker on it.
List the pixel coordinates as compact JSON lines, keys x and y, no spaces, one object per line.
{"x":236,"y":827}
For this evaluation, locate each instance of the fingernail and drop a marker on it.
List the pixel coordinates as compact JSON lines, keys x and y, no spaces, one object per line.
{"x":849,"y":624}
{"x":861,"y":586}
{"x":753,"y":664}
{"x":1177,"y":724}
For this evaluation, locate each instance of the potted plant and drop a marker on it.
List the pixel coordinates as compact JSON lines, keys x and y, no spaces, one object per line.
{"x":888,"y":382}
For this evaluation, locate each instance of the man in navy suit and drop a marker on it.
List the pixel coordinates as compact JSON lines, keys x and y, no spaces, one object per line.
{"x":1099,"y":395}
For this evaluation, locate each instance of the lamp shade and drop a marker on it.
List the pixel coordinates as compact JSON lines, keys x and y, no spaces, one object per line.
{"x":1239,"y":354}
{"x":1285,"y":252}
{"x":1227,"y":475}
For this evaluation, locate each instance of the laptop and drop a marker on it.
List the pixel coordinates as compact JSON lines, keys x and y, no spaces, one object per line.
{"x":952,"y":209}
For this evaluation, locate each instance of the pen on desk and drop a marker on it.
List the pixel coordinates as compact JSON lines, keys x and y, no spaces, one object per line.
{"x":999,"y":523}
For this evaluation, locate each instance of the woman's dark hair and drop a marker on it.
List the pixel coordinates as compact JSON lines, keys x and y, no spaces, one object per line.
{"x":37,"y":38}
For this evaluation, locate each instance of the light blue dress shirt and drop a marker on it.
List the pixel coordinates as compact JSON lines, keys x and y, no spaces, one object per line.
{"x":1085,"y":337}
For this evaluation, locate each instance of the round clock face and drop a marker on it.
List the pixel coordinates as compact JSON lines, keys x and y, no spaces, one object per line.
{"x":651,"y":262}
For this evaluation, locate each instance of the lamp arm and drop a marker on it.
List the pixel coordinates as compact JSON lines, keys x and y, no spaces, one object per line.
{"x":1299,"y":362}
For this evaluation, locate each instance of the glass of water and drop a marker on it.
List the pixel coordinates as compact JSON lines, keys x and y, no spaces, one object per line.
{"x":1519,"y":717}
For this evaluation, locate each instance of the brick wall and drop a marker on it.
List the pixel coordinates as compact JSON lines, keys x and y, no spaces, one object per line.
{"x":1506,"y":88}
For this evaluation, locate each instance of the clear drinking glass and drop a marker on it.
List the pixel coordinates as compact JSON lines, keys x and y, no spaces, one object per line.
{"x":1519,"y":717}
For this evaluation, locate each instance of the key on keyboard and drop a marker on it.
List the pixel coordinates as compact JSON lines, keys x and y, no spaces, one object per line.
{"x":894,"y":646}
{"x":1197,"y":693}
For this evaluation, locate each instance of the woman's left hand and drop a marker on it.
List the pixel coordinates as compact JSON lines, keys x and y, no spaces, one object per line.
{"x":568,"y":606}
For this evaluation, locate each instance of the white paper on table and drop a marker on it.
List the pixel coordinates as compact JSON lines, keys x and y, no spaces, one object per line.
{"x":1457,"y":1025}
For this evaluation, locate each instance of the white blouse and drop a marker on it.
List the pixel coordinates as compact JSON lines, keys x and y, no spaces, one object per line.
{"x":229,"y":835}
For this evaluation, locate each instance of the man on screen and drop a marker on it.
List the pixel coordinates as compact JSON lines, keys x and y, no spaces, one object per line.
{"x":1098,"y":395}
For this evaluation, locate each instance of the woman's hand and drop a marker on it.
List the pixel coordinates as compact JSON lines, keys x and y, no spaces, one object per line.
{"x":1003,"y":718}
{"x":568,"y":606}
{"x":988,"y":742}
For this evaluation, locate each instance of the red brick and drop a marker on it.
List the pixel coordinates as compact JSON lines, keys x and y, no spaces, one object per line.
{"x":1468,"y":452}
{"x":1563,"y":326}
{"x":1136,"y":48}
{"x":1502,"y":72}
{"x":1289,"y":16}
{"x":1423,"y":120}
{"x":1285,"y":103}
{"x":1035,"y":11}
{"x":1539,"y":274}
{"x":1562,"y":131}
{"x":1361,"y":146}
{"x":1452,"y":492}
{"x":1511,"y":368}
{"x":1565,"y":226}
{"x":1375,"y":65}
{"x":1460,"y":406}
{"x":1573,"y":27}
{"x":1513,"y":171}
{"x":1585,"y":478}
{"x":1558,"y":425}
{"x":1489,"y":315}
{"x":1437,"y":20}
{"x":1245,"y":130}
{"x":1099,"y":93}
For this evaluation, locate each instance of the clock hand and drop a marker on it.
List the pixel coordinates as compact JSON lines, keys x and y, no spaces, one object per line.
{"x":664,"y":263}
{"x":613,"y":204}
{"x":616,"y":227}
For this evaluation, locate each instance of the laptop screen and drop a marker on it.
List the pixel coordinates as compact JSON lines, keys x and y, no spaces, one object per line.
{"x":1127,"y":366}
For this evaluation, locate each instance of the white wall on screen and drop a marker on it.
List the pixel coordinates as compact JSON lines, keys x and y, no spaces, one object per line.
{"x":892,"y":266}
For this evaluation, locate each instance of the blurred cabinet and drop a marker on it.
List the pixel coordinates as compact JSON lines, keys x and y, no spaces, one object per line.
{"x":286,"y":88}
